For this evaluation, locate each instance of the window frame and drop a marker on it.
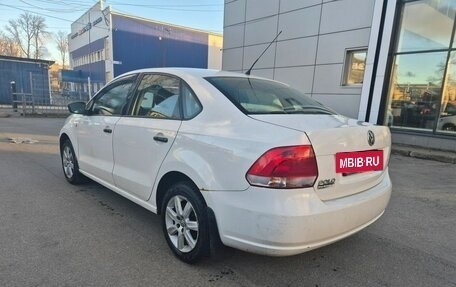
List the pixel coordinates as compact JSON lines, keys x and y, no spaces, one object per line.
{"x":134,"y":98}
{"x":347,"y":66}
{"x":247,"y":112}
{"x":392,"y":54}
{"x":113,"y":84}
{"x":183,"y":83}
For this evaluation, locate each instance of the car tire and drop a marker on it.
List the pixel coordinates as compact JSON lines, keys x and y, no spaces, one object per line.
{"x":185,"y":227}
{"x":70,"y":164}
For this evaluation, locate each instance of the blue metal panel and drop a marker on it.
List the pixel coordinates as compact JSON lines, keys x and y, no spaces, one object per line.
{"x":96,"y":71}
{"x":19,"y":71}
{"x":72,"y":76}
{"x":89,"y":48}
{"x":141,"y":44}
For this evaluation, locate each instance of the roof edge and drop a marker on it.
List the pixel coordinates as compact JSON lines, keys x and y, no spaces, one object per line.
{"x":165,"y":23}
{"x":30,"y":60}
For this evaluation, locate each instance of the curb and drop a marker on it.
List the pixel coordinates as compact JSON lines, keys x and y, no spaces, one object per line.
{"x":423,"y":153}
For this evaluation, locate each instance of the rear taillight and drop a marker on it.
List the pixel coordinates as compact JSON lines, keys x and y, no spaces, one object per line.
{"x":285,"y":167}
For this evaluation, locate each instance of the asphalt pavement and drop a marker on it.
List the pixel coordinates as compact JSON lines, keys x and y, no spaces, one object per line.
{"x":56,"y":234}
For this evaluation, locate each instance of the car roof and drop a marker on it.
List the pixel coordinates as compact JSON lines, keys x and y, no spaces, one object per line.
{"x":183,"y":72}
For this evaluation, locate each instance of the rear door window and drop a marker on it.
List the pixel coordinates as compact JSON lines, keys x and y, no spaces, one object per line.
{"x":191,"y":105}
{"x":157,"y":96}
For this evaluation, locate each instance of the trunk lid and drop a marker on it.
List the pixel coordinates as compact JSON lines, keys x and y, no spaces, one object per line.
{"x":332,"y":134}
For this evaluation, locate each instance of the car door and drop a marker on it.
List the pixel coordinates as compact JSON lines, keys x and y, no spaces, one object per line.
{"x":143,"y":139}
{"x":95,"y":130}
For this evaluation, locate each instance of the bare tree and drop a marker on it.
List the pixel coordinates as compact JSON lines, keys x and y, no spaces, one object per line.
{"x":21,"y":32}
{"x":28,"y":32}
{"x":8,"y":46}
{"x":39,"y":34}
{"x":61,"y":39}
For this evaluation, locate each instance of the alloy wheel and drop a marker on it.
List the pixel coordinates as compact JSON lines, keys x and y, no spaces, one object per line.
{"x":68,"y":161}
{"x":181,"y":223}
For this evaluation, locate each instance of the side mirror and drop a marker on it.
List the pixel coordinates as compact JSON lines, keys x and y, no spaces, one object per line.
{"x":77,"y":108}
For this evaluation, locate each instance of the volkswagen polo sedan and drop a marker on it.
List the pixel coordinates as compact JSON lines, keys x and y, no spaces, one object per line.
{"x":230,"y":158}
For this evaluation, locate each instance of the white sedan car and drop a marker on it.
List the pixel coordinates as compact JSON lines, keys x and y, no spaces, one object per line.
{"x":225,"y":157}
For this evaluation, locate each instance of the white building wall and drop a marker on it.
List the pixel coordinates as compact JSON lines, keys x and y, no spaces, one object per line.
{"x":310,"y":52}
{"x":82,"y":34}
{"x":214,"y":51}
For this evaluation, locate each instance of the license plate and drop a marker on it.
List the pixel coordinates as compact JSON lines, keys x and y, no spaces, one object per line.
{"x":359,"y":161}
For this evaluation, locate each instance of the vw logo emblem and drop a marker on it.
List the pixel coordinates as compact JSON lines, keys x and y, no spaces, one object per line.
{"x":370,"y":138}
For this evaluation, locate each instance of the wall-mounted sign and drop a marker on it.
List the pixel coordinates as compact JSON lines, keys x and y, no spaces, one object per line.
{"x":97,"y":21}
{"x":87,"y":27}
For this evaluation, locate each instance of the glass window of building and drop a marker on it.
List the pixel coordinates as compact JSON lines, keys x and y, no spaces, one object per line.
{"x":422,"y":89}
{"x":425,"y":25}
{"x":447,"y":117}
{"x":355,"y":63}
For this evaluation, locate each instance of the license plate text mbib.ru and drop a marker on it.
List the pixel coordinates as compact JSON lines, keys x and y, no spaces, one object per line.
{"x":359,"y":161}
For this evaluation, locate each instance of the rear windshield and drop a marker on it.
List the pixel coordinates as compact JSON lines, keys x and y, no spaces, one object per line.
{"x":256,"y":96}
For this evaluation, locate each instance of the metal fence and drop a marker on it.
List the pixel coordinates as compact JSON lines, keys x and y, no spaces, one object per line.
{"x":26,"y":105}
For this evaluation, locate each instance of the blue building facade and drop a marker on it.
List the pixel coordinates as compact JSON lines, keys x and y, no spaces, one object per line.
{"x":104,"y":44}
{"x":140,"y":44}
{"x":96,"y":68}
{"x":29,"y":75}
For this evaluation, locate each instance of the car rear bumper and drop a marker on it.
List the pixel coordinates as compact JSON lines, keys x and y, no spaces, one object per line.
{"x":287,"y":222}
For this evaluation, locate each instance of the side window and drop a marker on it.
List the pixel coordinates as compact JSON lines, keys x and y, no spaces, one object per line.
{"x":191,"y":104}
{"x":113,"y":100}
{"x":158,"y":97}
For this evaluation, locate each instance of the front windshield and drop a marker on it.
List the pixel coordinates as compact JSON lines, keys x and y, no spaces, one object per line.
{"x":256,"y":96}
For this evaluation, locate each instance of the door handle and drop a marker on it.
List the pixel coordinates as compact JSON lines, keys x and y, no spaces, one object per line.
{"x":107,"y":130}
{"x":160,"y":138}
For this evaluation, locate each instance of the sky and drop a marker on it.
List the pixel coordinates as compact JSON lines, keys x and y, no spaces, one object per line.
{"x":59,"y":14}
